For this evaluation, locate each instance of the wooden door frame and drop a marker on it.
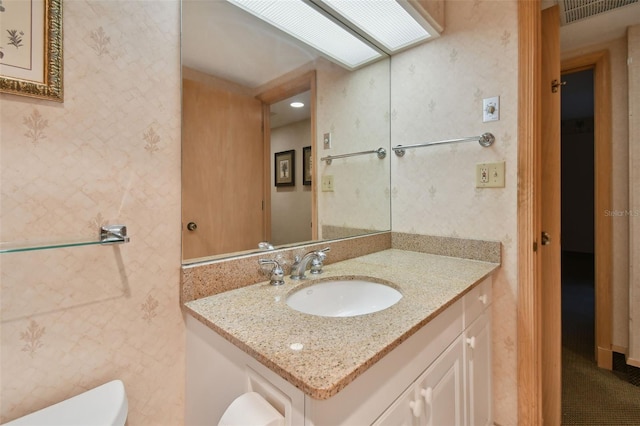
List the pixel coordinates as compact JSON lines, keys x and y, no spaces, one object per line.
{"x":603,"y":186}
{"x":290,"y":84}
{"x":530,"y":299}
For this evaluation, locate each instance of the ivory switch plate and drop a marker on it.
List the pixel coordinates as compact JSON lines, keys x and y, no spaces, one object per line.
{"x":326,"y":140}
{"x":490,"y":175}
{"x":327,"y":183}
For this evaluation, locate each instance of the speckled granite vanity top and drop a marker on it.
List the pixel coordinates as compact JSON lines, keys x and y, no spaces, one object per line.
{"x":334,"y":351}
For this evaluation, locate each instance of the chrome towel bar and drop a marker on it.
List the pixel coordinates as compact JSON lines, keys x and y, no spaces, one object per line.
{"x":380,"y":151}
{"x":485,"y":140}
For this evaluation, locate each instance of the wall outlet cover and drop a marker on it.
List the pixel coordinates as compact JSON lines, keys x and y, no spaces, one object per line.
{"x":490,"y":175}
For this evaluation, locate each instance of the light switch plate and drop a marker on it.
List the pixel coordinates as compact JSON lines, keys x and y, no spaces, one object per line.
{"x":491,"y":109}
{"x":490,"y":175}
{"x":326,"y":140}
{"x":327,"y":183}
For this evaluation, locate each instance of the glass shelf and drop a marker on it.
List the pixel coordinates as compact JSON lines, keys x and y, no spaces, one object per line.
{"x":111,"y":234}
{"x":32,"y":246}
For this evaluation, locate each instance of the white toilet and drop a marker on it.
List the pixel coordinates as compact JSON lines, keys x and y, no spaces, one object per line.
{"x":105,"y":405}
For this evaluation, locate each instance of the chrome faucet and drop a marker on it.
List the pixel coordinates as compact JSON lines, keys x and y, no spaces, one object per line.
{"x":277,"y":274}
{"x":265,"y":245}
{"x":315,"y":257}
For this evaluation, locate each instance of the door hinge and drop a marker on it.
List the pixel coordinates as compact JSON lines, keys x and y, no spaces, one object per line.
{"x":535,"y":246}
{"x":263,"y":205}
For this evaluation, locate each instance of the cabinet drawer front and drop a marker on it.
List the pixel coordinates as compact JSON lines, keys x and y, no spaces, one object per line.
{"x":476,"y":301}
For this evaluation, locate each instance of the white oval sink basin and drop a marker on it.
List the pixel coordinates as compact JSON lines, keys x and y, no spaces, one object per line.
{"x":343,"y":298}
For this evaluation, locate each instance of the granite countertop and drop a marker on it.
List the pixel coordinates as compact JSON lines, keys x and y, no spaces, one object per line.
{"x":334,"y":351}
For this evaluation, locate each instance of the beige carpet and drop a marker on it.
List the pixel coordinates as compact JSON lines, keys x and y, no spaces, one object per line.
{"x":590,"y":396}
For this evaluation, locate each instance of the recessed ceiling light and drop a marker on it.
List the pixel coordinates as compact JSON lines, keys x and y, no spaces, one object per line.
{"x":296,"y":104}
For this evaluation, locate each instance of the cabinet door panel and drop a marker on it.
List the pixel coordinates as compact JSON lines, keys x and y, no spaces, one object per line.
{"x":478,"y":359}
{"x":401,"y":412}
{"x":441,"y":388}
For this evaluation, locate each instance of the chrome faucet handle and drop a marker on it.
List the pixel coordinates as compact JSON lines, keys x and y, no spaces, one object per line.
{"x":277,"y":274}
{"x":316,"y":265}
{"x":318,"y":260}
{"x":265,"y":245}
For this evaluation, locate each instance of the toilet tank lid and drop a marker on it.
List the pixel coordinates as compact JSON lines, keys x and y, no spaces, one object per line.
{"x":104,"y":405}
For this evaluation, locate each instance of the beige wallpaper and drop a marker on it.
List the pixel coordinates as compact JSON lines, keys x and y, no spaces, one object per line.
{"x":634,"y":193}
{"x":75,"y":318}
{"x":437,"y":92}
{"x":620,"y":196}
{"x":354,"y":108}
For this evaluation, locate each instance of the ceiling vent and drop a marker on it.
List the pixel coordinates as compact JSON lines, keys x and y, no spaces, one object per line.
{"x":576,"y":10}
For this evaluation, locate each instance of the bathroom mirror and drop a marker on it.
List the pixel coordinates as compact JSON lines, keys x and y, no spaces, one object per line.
{"x":239,"y":75}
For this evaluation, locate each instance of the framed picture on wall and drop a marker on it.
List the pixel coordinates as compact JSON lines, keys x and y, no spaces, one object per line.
{"x":285,"y":168}
{"x":306,"y":165}
{"x":31,"y":48}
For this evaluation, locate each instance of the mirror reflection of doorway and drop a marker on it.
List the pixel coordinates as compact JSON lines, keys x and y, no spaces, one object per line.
{"x":290,"y":129}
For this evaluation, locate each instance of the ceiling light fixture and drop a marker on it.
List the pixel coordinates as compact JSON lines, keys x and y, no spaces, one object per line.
{"x":391,"y":24}
{"x":306,"y":22}
{"x":296,"y":104}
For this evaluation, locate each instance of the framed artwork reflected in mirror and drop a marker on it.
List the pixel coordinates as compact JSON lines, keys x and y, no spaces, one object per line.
{"x":306,"y":165}
{"x":285,"y":168}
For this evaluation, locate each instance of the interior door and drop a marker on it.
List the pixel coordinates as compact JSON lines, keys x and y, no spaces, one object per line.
{"x":550,"y":244}
{"x":222,"y":170}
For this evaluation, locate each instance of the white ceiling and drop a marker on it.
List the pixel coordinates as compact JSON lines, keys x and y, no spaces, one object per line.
{"x":223,"y":40}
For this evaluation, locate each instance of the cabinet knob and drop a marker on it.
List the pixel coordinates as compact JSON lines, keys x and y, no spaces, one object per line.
{"x":427,"y":394}
{"x":416,"y":407}
{"x":471,"y":341}
{"x":483,"y":299}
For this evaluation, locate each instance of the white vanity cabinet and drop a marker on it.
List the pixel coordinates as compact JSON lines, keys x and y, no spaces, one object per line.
{"x":456,"y":388}
{"x":477,"y":339}
{"x":436,"y":398}
{"x":440,"y":375}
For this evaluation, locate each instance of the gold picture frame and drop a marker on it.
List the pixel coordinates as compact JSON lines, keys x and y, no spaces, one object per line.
{"x":42,"y":76}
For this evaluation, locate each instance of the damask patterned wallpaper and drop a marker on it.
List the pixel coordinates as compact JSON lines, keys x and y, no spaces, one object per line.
{"x":436,"y":94}
{"x":354,"y":108}
{"x":72,"y":319}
